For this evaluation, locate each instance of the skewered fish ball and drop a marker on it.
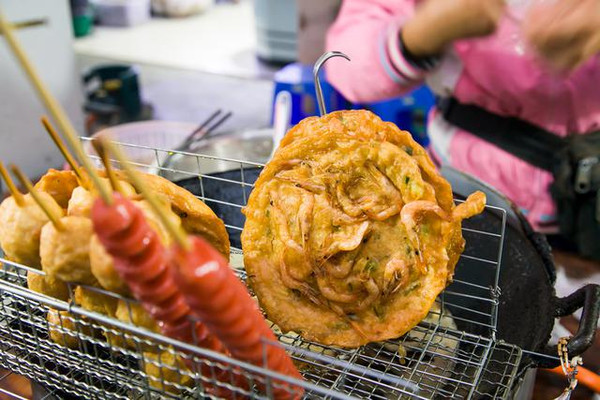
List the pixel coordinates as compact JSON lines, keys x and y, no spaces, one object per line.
{"x":81,"y":201}
{"x":103,"y":268}
{"x":48,"y":285}
{"x":65,"y":253}
{"x":20,"y":228}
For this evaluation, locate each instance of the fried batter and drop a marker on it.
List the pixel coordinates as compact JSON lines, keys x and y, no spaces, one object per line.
{"x":165,"y":370}
{"x":59,"y":185}
{"x":351,"y":233}
{"x":20,"y":228}
{"x":66,"y":253}
{"x":48,"y":285}
{"x":95,"y":301}
{"x":63,"y":330}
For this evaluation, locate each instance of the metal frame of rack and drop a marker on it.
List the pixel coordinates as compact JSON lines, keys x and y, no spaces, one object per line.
{"x":91,"y":355}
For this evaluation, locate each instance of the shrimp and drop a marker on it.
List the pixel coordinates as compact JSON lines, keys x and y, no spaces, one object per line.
{"x":331,"y":294}
{"x":474,"y":205}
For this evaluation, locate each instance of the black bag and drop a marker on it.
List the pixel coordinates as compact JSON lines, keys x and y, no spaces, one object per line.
{"x":574,"y":161}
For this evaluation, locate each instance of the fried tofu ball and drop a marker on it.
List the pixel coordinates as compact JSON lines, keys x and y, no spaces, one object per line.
{"x":20,"y":228}
{"x":48,"y":285}
{"x":65,"y":253}
{"x":102,"y":264}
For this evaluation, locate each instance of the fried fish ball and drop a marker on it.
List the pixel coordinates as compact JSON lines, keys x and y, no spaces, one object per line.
{"x":165,"y":369}
{"x":59,"y":185}
{"x":350,"y":231}
{"x":63,"y":330}
{"x":48,"y":285}
{"x":82,"y":200}
{"x":102,"y":264}
{"x":65,"y":253}
{"x":20,"y":228}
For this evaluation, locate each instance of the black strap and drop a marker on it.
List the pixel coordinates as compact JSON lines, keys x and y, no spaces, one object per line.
{"x":519,"y":138}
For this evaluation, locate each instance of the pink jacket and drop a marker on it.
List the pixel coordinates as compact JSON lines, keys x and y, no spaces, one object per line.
{"x":496,"y":72}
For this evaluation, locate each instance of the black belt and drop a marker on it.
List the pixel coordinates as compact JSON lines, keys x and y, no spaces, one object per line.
{"x":519,"y":138}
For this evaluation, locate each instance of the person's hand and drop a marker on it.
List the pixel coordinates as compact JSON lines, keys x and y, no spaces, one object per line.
{"x":566,"y":33}
{"x":437,"y":23}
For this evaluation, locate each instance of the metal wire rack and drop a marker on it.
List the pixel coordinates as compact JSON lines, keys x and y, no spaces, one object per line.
{"x":453,"y":353}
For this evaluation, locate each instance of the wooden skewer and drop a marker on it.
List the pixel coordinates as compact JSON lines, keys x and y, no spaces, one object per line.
{"x":55,"y":219}
{"x":53,"y":106}
{"x":61,"y":146}
{"x":176,"y":231}
{"x":110,"y":173}
{"x":16,"y":194}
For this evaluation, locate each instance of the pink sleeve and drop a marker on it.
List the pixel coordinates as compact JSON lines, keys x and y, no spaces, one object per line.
{"x":367,"y":31}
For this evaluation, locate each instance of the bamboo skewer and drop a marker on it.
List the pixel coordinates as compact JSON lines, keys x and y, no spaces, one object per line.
{"x":53,"y":106}
{"x":61,"y":146}
{"x":176,"y":231}
{"x":55,"y":219}
{"x":16,"y":194}
{"x":110,"y":173}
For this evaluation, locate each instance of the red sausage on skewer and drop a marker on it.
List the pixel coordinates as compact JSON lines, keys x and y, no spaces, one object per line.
{"x":142,"y":262}
{"x":222,"y":302}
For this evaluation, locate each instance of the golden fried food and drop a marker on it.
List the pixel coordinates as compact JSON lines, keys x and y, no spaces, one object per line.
{"x":59,"y":185}
{"x":136,"y":315}
{"x":65,"y":253}
{"x":103,"y":268}
{"x":95,"y":301}
{"x":82,"y":200}
{"x":166,"y":369}
{"x":351,"y":233}
{"x":48,"y":285}
{"x":196,"y":217}
{"x":63,"y":330}
{"x":20,"y":228}
{"x":101,"y":262}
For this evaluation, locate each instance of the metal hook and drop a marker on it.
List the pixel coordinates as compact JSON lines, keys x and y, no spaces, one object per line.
{"x":316,"y":70}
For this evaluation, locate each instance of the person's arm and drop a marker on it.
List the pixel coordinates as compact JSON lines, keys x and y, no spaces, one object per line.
{"x":393,"y":46}
{"x":367,"y":31}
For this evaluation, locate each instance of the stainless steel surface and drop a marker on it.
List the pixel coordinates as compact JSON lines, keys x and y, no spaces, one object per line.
{"x":316,"y":69}
{"x":434,"y":360}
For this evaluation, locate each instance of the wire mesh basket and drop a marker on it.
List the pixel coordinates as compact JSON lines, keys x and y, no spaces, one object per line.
{"x":105,"y":354}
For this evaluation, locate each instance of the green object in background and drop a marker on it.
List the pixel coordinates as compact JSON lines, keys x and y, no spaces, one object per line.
{"x":82,"y":25}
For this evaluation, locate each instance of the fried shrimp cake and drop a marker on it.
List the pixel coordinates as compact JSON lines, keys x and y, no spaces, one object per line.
{"x":351,"y":233}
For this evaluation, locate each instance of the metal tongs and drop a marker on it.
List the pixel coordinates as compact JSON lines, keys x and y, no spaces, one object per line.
{"x":204,"y":131}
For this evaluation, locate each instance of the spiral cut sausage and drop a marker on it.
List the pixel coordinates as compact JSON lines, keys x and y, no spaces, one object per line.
{"x":222,"y":302}
{"x":142,"y":262}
